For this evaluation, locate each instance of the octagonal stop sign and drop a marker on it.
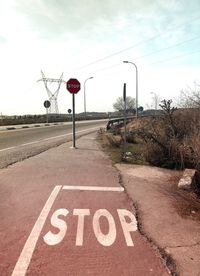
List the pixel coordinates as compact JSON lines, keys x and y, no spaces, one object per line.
{"x":73,"y":86}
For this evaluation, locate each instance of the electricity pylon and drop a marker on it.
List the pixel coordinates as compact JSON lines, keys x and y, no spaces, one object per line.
{"x":53,"y":96}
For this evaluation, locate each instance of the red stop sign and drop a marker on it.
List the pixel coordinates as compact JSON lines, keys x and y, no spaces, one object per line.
{"x":73,"y":86}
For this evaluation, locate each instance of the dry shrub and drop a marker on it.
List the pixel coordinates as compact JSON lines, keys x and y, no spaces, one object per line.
{"x":114,"y":141}
{"x":131,"y":138}
{"x":154,"y":154}
{"x":193,"y":143}
{"x":173,"y":139}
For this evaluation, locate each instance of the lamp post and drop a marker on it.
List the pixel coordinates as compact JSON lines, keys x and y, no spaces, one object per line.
{"x":85,"y":95}
{"x":136,"y":98}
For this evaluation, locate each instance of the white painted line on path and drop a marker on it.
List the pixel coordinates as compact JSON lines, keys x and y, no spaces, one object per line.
{"x":46,"y":139}
{"x":26,"y":254}
{"x":94,"y":188}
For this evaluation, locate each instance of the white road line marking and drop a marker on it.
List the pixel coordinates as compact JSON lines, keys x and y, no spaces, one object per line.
{"x":94,"y":188}
{"x":54,"y":137}
{"x":7,"y":148}
{"x":59,"y":136}
{"x":46,"y":139}
{"x":26,"y":254}
{"x":30,"y":143}
{"x":92,"y":128}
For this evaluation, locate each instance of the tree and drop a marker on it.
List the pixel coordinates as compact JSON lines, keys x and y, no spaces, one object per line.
{"x":190,"y":97}
{"x":119,"y":104}
{"x":155,"y":100}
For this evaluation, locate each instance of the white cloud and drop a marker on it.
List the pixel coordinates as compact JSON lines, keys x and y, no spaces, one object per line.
{"x":61,"y":36}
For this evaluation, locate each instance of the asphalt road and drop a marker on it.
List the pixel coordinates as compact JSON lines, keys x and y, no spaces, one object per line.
{"x":19,"y":144}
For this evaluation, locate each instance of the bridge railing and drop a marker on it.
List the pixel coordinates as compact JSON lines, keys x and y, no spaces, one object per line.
{"x":120,"y":120}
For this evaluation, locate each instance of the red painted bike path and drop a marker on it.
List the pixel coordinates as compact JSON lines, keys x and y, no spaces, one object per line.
{"x":87,"y":235}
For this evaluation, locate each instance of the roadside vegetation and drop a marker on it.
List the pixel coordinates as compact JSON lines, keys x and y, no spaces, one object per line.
{"x":167,"y":138}
{"x":170,"y":139}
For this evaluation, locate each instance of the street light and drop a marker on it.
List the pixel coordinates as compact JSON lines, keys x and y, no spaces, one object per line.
{"x":85,"y":95}
{"x":136,"y":98}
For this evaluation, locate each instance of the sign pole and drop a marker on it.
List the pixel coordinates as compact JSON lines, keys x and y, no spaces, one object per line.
{"x":124,"y":96}
{"x":47,"y":104}
{"x":73,"y":86}
{"x":47,"y":114}
{"x":73,"y":120}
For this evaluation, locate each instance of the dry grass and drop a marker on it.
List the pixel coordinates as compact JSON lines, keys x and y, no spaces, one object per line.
{"x":113,"y":146}
{"x":186,"y":203}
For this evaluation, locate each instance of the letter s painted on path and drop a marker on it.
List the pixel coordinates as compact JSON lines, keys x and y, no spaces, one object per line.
{"x":51,"y":238}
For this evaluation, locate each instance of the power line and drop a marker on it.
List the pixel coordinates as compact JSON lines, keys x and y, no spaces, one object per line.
{"x":161,"y":61}
{"x":179,"y":56}
{"x":167,"y":48}
{"x":137,"y":44}
{"x":153,"y":53}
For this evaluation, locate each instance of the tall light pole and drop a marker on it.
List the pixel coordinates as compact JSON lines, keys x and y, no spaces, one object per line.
{"x":85,"y":95}
{"x":136,"y":98}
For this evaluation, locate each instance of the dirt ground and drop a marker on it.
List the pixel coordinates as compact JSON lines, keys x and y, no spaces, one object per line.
{"x":187,"y":203}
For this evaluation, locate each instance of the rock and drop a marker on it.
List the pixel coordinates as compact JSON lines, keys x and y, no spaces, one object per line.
{"x":188,"y":180}
{"x":128,"y":154}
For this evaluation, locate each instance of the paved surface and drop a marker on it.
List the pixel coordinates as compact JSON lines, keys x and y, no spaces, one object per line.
{"x":52,"y":223}
{"x":16,"y":145}
{"x":15,"y":138}
{"x":152,"y":190}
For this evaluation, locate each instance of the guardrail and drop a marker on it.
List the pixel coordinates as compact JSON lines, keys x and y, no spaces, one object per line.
{"x":119,"y":121}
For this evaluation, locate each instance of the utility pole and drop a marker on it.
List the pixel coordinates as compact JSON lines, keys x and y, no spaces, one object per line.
{"x":124,"y":98}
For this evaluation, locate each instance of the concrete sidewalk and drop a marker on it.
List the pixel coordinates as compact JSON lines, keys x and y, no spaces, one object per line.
{"x":153,"y":193}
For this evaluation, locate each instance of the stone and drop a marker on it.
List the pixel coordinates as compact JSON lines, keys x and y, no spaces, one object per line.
{"x":187,"y":181}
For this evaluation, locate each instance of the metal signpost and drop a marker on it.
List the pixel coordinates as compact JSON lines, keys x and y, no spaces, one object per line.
{"x":47,"y":104}
{"x":73,"y":86}
{"x":69,"y":112}
{"x":124,"y":97}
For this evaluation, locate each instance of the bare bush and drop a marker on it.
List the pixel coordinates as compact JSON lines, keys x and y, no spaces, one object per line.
{"x":114,"y":141}
{"x":172,"y":140}
{"x":190,"y":97}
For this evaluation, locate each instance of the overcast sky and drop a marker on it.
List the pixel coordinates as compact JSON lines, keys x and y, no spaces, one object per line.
{"x":84,"y":38}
